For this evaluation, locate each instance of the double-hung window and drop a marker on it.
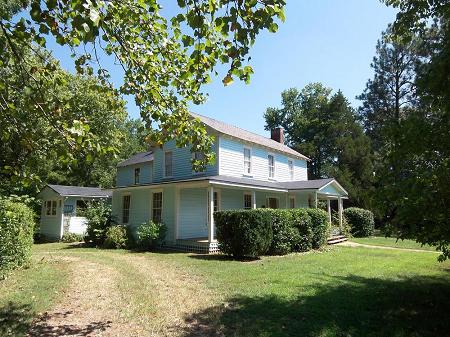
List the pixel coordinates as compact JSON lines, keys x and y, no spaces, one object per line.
{"x":168,"y":165}
{"x":247,"y":201}
{"x":247,"y":161}
{"x":291,"y":202}
{"x":137,"y":175}
{"x":198,"y":157}
{"x":50,"y":207}
{"x":271,"y":162}
{"x":291,"y":169}
{"x":126,"y":209}
{"x":157,"y":205}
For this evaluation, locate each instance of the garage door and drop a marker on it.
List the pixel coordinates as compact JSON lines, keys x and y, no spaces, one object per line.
{"x":193,"y":217}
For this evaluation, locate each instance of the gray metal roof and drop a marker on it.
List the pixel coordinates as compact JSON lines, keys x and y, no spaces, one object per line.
{"x":67,"y":191}
{"x":251,"y":137}
{"x":138,"y":158}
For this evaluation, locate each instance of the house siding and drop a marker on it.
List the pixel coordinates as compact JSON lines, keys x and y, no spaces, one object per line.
{"x":125,"y":175}
{"x":231,"y":154}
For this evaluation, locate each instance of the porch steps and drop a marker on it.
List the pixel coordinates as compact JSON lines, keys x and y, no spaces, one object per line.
{"x":336,"y":239}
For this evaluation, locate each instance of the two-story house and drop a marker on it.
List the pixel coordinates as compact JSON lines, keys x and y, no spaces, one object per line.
{"x":250,"y":171}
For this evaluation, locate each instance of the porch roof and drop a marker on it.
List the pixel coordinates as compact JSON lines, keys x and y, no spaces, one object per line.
{"x":321,"y":186}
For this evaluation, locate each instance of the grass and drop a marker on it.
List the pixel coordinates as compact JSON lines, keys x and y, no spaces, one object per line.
{"x":343,"y":291}
{"x":392,"y":242}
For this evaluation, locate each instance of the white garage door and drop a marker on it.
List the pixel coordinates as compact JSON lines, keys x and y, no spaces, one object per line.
{"x":193,"y":217}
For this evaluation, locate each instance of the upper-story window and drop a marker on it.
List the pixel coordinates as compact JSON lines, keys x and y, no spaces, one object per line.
{"x":271,"y":161}
{"x":137,"y":175}
{"x":247,"y":160}
{"x":198,"y":156}
{"x":168,"y":165}
{"x":291,"y":169}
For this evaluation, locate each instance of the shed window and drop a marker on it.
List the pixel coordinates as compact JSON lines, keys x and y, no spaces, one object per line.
{"x":157,"y":204}
{"x":271,"y":162}
{"x":126,"y":209}
{"x":291,"y":169}
{"x":168,"y":167}
{"x":50,"y":207}
{"x":247,"y":160}
{"x":247,"y":201}
{"x":137,"y":175}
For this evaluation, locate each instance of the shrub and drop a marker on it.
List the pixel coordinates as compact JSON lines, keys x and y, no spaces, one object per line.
{"x":71,"y":237}
{"x":361,"y":221}
{"x":244,"y":233}
{"x":302,"y":221}
{"x":116,"y":237}
{"x":320,"y":227}
{"x":99,"y":219}
{"x":16,"y":235}
{"x":285,"y":235}
{"x":149,"y":235}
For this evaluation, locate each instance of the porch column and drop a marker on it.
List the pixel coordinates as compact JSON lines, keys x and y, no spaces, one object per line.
{"x":177,"y":212}
{"x":340,"y":211}
{"x":316,"y":200}
{"x":253,"y":199}
{"x":210,"y":214}
{"x":329,"y":210}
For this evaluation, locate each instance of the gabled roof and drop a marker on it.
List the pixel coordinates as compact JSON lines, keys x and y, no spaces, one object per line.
{"x":138,"y":158}
{"x":78,"y":191}
{"x":248,"y":136}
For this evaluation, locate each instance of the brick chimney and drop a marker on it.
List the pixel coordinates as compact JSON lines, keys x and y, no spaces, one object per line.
{"x":277,"y":135}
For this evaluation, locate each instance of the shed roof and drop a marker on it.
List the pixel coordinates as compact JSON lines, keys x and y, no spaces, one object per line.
{"x":79,"y":191}
{"x":237,"y":132}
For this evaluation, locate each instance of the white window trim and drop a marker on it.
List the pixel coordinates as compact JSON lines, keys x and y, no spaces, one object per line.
{"x":162,"y":203}
{"x":293,"y":169}
{"x":164,"y":164}
{"x":272,"y":197}
{"x":251,"y":162}
{"x":274,"y":166}
{"x":251,"y":200}
{"x":291,"y":197}
{"x":51,"y":215}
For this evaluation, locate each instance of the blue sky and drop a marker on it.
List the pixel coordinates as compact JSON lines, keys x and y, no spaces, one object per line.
{"x":328,"y":41}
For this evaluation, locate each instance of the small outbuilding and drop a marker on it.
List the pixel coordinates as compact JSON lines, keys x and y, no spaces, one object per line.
{"x":62,"y":208}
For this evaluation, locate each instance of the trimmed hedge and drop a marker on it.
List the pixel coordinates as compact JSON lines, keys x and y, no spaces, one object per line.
{"x":16,"y":235}
{"x":244,"y":233}
{"x":320,"y":227}
{"x":361,"y":221}
{"x":270,"y":231}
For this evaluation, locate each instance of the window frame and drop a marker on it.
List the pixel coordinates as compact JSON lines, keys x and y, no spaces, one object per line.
{"x":126,"y":209}
{"x":292,"y":197}
{"x":269,"y":166}
{"x":158,"y":208}
{"x":137,"y":175}
{"x":50,"y":207}
{"x":250,"y":162}
{"x":291,"y":170}
{"x":272,"y":197}
{"x":247,"y":194}
{"x":165,"y":164}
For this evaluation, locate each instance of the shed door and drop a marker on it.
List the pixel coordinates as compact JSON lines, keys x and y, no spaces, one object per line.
{"x":193,"y":213}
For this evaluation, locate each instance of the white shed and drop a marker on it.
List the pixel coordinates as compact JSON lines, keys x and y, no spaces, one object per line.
{"x":60,"y":205}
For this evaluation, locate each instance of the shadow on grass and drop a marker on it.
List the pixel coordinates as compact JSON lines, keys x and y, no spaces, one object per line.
{"x":350,"y":306}
{"x":222,"y":257}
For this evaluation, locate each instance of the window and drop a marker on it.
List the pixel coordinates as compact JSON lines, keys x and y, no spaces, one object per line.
{"x":137,"y":175}
{"x":247,"y":201}
{"x":291,"y":202}
{"x":198,"y":156}
{"x":272,"y":202}
{"x":157,"y":207}
{"x":291,"y":169}
{"x":81,"y":207}
{"x":54,"y":207}
{"x":50,"y":207}
{"x":126,"y":209}
{"x":168,"y":164}
{"x":271,"y":161}
{"x":68,"y":209}
{"x":216,"y":201}
{"x":247,"y":160}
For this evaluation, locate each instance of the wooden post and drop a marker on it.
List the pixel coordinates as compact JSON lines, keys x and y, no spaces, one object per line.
{"x":211,"y":214}
{"x":177,"y":213}
{"x":253,"y":199}
{"x":340,"y":211}
{"x":329,"y":210}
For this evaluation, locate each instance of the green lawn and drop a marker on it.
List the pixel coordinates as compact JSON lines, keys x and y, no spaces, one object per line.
{"x":392,"y":242}
{"x":344,"y":291}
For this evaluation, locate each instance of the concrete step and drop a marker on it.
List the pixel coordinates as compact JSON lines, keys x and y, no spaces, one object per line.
{"x":336,"y":239}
